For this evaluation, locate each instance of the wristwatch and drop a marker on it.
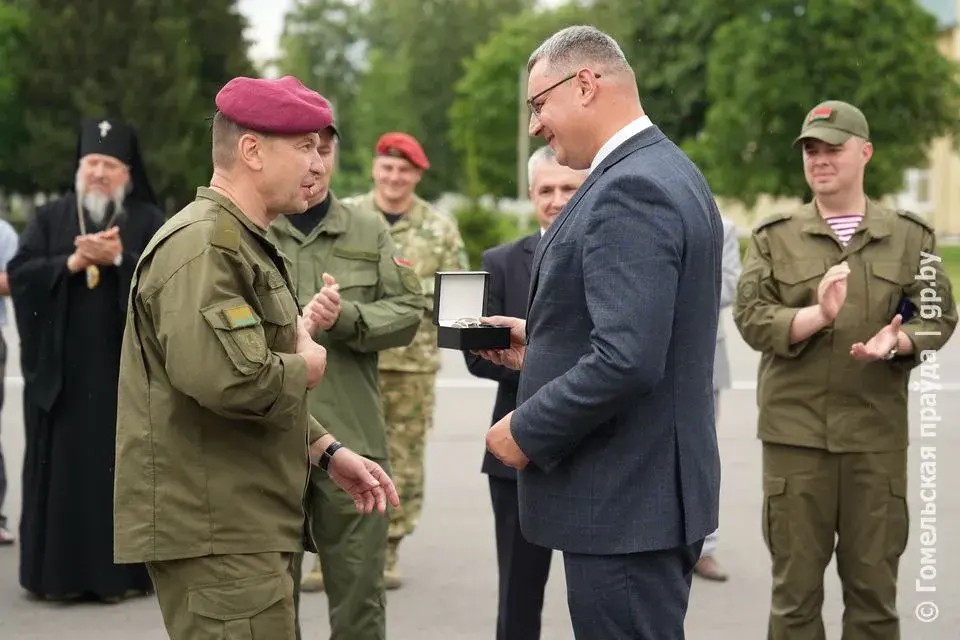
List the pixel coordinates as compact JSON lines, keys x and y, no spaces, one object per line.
{"x":327,"y":454}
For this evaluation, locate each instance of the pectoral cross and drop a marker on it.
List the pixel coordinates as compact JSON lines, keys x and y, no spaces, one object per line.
{"x":105,"y":128}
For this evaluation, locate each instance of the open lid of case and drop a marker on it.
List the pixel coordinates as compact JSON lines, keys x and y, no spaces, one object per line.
{"x":459,"y":294}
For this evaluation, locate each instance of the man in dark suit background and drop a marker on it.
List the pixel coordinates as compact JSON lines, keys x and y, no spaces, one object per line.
{"x":523,"y":567}
{"x":614,"y":429}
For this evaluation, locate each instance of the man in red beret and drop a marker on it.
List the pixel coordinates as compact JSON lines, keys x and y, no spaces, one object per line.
{"x":213,"y":425}
{"x":429,"y":239}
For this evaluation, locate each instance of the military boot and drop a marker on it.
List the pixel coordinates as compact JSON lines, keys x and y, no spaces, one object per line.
{"x":391,"y":575}
{"x":313,"y":581}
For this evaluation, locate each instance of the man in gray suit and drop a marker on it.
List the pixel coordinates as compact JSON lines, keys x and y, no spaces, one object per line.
{"x":614,"y":430}
{"x":707,"y":567}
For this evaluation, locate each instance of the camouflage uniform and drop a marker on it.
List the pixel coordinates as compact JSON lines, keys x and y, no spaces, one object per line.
{"x":430,"y":239}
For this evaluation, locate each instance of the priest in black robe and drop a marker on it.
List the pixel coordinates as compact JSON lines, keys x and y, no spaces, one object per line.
{"x":69,"y":283}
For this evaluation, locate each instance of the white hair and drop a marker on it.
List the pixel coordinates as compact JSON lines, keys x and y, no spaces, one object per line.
{"x":577,"y":46}
{"x":96,"y":202}
{"x":543,"y":155}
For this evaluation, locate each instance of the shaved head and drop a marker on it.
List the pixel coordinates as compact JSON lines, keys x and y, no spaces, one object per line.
{"x":226,"y":136}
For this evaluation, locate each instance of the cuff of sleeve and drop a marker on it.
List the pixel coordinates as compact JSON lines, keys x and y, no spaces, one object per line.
{"x":921,"y":343}
{"x":289,"y":403}
{"x":520,"y":430}
{"x":345,"y":327}
{"x":316,"y":429}
{"x":780,"y":327}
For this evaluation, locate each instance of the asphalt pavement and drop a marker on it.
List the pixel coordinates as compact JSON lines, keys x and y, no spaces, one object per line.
{"x":450,"y":562}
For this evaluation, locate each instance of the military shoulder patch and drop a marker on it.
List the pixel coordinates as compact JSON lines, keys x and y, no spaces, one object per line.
{"x":240,"y":316}
{"x":747,"y":290}
{"x":403,"y":263}
{"x":226,"y":235}
{"x":772,"y":219}
{"x":910,"y":215}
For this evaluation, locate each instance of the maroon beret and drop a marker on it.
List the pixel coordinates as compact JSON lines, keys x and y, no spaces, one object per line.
{"x":405,"y":145}
{"x":281,"y":106}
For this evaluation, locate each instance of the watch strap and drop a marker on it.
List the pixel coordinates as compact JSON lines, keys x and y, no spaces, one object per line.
{"x":327,"y":455}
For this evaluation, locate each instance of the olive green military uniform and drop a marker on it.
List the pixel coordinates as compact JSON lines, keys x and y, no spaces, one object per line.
{"x":381,"y":305}
{"x":430,"y":240}
{"x":213,"y":427}
{"x":834,"y":429}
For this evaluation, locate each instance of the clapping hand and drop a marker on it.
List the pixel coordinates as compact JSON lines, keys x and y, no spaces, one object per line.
{"x":880,"y":344}
{"x":99,"y":248}
{"x":324,"y":309}
{"x":832,"y":291}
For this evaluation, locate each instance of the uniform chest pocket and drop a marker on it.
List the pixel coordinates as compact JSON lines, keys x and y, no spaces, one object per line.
{"x":888,"y":280}
{"x":357,"y":273}
{"x":279,"y":311}
{"x":797,"y":281}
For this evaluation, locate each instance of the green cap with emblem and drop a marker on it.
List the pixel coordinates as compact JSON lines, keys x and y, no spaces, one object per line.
{"x":834,"y":122}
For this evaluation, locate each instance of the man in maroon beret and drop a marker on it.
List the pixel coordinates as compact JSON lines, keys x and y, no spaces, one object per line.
{"x":430,"y":240}
{"x":213,"y":425}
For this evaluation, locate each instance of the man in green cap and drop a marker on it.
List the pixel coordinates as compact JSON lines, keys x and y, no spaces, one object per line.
{"x":359,"y":297}
{"x":843,"y":297}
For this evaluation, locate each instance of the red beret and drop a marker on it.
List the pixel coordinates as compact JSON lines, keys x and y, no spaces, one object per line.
{"x":281,"y":106}
{"x":404,"y":144}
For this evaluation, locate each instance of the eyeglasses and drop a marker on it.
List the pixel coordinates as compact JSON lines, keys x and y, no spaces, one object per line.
{"x":535,"y":108}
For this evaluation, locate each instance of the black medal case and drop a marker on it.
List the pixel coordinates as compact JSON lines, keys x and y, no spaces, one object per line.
{"x":459,"y":301}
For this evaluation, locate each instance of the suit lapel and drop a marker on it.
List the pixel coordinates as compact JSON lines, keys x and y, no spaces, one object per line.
{"x":643,"y":139}
{"x":529,"y":247}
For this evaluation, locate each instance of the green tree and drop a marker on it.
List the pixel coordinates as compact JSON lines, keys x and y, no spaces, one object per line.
{"x":668,"y":44}
{"x":383,"y":104}
{"x":482,"y":228}
{"x":769,"y":67}
{"x":322,"y":45}
{"x":427,"y":40}
{"x":162,"y":80}
{"x":483,"y":115}
{"x":216,"y":29}
{"x":13,"y":32}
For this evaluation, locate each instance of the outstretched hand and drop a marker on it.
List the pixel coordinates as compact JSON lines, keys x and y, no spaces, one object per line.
{"x":365,"y":480}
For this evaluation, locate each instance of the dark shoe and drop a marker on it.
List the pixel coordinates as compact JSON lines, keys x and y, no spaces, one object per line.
{"x":708,"y":569}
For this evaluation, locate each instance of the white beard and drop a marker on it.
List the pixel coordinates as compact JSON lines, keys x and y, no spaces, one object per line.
{"x":96,"y":202}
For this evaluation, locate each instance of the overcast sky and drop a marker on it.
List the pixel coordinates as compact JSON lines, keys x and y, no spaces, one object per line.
{"x":266,"y":18}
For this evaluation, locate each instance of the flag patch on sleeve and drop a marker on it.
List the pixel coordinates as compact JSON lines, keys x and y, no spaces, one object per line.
{"x":242,"y":316}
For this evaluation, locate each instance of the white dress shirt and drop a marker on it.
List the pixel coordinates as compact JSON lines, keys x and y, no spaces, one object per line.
{"x":632,"y":129}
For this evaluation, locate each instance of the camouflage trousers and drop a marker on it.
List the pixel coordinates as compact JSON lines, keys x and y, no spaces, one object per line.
{"x":408,"y":402}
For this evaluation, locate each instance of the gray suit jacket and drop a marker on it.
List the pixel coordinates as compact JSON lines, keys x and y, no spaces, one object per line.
{"x":615,"y":404}
{"x":731,"y":274}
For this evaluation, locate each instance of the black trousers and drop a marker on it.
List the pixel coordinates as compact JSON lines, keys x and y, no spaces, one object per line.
{"x":636,"y":596}
{"x":3,"y":470}
{"x":523,"y":567}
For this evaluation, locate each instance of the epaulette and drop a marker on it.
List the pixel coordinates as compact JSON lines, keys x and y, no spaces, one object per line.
{"x":910,"y":215}
{"x":772,"y":219}
{"x":226,"y":234}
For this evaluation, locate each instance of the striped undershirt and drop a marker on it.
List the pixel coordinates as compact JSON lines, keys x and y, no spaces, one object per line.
{"x":844,"y":226}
